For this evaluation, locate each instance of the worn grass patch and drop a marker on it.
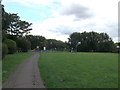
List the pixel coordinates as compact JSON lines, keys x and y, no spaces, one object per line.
{"x":11,"y":62}
{"x":79,"y":70}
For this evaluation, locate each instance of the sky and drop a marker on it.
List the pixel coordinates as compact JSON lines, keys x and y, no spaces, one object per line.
{"x":57,"y":19}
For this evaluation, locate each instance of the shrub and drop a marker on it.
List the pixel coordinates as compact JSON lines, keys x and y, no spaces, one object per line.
{"x":11,"y":46}
{"x":4,"y":50}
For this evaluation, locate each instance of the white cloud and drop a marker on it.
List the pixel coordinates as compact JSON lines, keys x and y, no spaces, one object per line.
{"x":43,"y":29}
{"x":43,"y":15}
{"x":63,"y":26}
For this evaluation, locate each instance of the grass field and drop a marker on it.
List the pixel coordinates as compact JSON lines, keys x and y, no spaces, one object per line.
{"x":11,"y":62}
{"x":79,"y":70}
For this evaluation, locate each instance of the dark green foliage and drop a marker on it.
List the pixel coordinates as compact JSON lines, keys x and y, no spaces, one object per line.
{"x":118,"y":47}
{"x":13,"y":37}
{"x":51,"y":44}
{"x":91,"y":41}
{"x":58,"y":45}
{"x":36,"y":41}
{"x":4,"y":50}
{"x":23,"y":44}
{"x":11,"y":46}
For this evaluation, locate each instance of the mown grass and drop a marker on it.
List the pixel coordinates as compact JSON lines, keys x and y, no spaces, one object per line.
{"x":11,"y":62}
{"x":79,"y":70}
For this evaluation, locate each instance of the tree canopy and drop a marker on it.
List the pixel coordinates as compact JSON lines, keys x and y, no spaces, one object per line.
{"x":53,"y":44}
{"x":11,"y":24}
{"x":36,"y":41}
{"x":91,"y":41}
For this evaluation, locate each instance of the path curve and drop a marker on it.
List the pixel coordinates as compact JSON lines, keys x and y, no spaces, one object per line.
{"x":26,"y":75}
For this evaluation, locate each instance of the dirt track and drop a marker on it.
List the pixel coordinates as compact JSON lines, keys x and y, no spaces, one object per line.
{"x":26,"y":75}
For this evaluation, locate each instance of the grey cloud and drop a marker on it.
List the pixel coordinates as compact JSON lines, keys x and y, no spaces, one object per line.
{"x":64,"y":30}
{"x":113,"y":29}
{"x":67,"y":30}
{"x":79,"y":11}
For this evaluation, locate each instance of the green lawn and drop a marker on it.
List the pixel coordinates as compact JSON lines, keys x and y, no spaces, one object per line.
{"x":11,"y":62}
{"x":79,"y":70}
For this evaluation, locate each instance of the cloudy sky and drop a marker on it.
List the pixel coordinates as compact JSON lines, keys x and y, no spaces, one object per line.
{"x":57,"y":19}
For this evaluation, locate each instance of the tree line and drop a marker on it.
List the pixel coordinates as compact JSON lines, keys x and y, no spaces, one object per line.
{"x":92,"y":42}
{"x":16,"y":38}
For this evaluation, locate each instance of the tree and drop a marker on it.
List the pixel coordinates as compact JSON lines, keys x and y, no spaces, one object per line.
{"x":53,"y":44}
{"x":73,"y":40}
{"x":91,"y":41}
{"x":36,"y":41}
{"x":11,"y":24}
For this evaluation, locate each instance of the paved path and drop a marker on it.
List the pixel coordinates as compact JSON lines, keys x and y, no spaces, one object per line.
{"x":26,"y":75}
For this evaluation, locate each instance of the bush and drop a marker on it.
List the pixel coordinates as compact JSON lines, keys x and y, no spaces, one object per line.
{"x":4,"y":50}
{"x":11,"y":46}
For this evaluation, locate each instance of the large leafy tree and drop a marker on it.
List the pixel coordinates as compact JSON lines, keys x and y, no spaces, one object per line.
{"x":91,"y":41}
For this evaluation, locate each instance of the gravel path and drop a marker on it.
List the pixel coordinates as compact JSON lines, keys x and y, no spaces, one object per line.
{"x":26,"y":75}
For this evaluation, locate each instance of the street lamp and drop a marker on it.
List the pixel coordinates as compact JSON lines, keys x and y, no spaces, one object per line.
{"x":77,"y":45}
